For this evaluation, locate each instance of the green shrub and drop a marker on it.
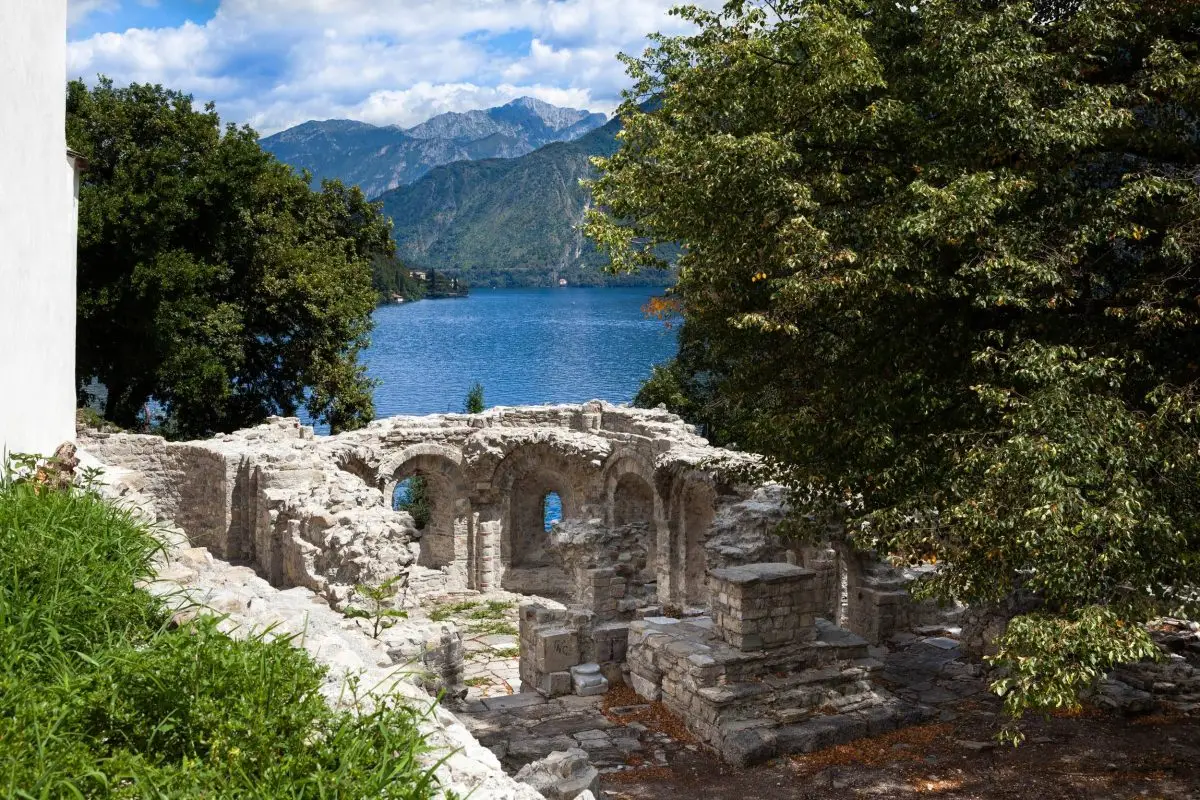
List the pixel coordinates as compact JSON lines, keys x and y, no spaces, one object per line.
{"x":378,"y":600}
{"x":100,"y":698}
{"x":474,"y":402}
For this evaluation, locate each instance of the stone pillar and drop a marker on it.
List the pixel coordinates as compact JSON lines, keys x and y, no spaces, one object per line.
{"x":591,"y":416}
{"x":487,"y":566}
{"x":764,"y":606}
{"x":824,"y":562}
{"x":878,"y":613}
{"x":460,"y":546}
{"x":600,"y":590}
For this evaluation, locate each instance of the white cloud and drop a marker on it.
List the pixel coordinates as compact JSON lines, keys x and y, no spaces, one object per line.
{"x":275,"y":63}
{"x":79,"y":10}
{"x":407,"y":107}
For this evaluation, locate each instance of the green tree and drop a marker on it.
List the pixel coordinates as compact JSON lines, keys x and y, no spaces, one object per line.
{"x":415,"y":500}
{"x":379,"y":601}
{"x":941,"y":265}
{"x":474,"y":402}
{"x":391,"y":276}
{"x":211,"y":278}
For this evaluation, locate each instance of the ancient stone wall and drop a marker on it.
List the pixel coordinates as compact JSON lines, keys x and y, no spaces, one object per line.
{"x":649,"y":509}
{"x":188,"y":483}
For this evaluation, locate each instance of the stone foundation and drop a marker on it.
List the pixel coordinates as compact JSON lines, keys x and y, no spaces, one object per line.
{"x":751,"y":706}
{"x":653,"y":517}
{"x":762,"y":676}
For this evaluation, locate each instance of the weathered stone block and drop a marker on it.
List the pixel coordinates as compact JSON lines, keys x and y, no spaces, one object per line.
{"x":611,"y":642}
{"x":557,"y":649}
{"x":749,"y":747}
{"x":645,"y":687}
{"x":555,"y":684}
{"x":759,"y":606}
{"x":562,"y":775}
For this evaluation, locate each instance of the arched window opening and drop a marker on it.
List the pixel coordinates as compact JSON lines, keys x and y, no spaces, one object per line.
{"x":632,"y":501}
{"x":412,"y":495}
{"x":551,"y":510}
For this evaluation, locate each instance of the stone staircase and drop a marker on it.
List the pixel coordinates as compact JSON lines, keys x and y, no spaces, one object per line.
{"x":752,"y":706}
{"x":763,"y":676}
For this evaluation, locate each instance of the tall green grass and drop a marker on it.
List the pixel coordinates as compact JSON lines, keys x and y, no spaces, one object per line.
{"x":99,"y":697}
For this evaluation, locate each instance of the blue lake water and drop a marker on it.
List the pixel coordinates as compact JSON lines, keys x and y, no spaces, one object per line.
{"x":526,"y":346}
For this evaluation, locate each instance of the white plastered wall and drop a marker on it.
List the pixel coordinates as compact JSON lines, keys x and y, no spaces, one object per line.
{"x":37,"y":230}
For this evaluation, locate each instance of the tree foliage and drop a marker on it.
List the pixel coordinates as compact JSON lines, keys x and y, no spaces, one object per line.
{"x":940,"y":262}
{"x":412,"y":495}
{"x":390,"y":276}
{"x":211,"y":278}
{"x":474,"y":402}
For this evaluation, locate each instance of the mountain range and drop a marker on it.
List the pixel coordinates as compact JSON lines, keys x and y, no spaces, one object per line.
{"x":510,"y":221}
{"x":492,"y":196}
{"x":381,"y":158}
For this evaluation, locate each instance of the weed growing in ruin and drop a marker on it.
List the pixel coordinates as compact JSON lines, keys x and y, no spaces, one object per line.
{"x":379,"y":598}
{"x":445,"y":611}
{"x":487,"y":618}
{"x":491,"y":627}
{"x":492,"y":609}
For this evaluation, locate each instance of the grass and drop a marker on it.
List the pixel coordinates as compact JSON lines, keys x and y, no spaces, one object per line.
{"x":479,"y":619}
{"x":491,"y":627}
{"x":492,"y":609}
{"x":99,"y":697}
{"x":445,"y":611}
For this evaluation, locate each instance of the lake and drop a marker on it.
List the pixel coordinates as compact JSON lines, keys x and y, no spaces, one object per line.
{"x":526,"y":346}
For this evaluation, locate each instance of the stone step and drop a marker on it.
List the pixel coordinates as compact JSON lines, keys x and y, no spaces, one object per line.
{"x":753,"y":744}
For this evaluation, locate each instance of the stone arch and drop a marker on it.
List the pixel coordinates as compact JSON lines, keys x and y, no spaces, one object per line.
{"x":445,"y":543}
{"x":693,"y":507}
{"x":522,"y":480}
{"x":631,"y":499}
{"x":358,"y":464}
{"x":448,"y":460}
{"x":634,"y":474}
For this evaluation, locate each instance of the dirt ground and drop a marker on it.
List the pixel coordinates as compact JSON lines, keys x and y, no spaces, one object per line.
{"x":1085,"y":756}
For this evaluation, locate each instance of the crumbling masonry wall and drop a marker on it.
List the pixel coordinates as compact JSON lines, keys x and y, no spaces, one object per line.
{"x":650,"y":509}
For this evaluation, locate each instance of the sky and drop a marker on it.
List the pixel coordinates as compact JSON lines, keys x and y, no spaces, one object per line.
{"x":275,"y":63}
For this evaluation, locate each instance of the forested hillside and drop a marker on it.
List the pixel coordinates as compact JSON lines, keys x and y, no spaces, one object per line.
{"x":508,"y":221}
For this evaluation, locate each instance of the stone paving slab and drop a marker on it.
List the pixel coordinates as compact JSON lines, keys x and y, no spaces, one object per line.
{"x":522,"y":700}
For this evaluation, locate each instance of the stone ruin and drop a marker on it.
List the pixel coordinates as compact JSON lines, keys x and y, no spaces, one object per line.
{"x":665,"y":571}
